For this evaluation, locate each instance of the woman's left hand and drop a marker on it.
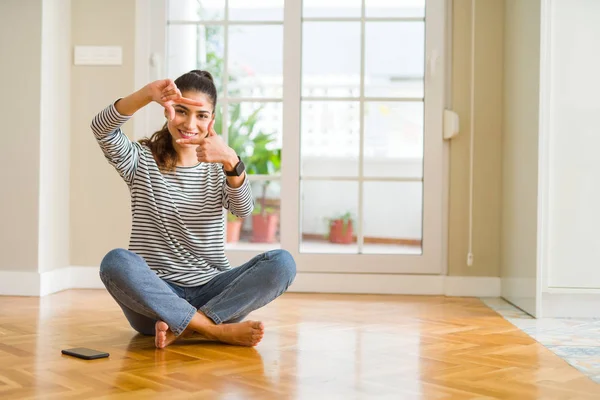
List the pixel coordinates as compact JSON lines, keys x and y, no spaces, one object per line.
{"x":213,"y":149}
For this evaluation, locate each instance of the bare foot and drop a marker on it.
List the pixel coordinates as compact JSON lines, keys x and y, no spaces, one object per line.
{"x":164,"y":336}
{"x":248,"y":333}
{"x":162,"y":332}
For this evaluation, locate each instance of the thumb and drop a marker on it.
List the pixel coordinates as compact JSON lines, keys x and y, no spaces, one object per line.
{"x":211,"y":130}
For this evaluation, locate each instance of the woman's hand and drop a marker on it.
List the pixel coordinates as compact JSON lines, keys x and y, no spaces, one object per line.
{"x":213,"y":149}
{"x":166,"y":93}
{"x":163,"y":91}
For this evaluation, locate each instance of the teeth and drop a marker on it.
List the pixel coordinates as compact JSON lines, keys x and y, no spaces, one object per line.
{"x":184,"y":133}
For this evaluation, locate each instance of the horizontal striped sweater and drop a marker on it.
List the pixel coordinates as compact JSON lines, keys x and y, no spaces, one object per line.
{"x":177,"y":217}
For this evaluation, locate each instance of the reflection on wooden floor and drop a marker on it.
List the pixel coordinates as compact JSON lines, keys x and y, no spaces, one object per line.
{"x":315,"y":347}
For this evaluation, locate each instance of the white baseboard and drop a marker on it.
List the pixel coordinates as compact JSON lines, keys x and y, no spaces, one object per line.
{"x":473,"y":286}
{"x":14,"y":283}
{"x":34,"y":284}
{"x":522,"y":293}
{"x":457,"y":286}
{"x":41,"y":284}
{"x":571,"y":303}
{"x":55,"y":281}
{"x":86,"y":278}
{"x":313,"y":282}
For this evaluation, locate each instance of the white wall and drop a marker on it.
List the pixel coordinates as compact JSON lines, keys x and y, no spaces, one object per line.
{"x":34,"y":167}
{"x":573,"y":246}
{"x":100,"y":215}
{"x":20,"y":52}
{"x":518,"y":264}
{"x":55,"y":135}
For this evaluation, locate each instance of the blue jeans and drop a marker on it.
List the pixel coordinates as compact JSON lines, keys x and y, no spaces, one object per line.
{"x":228,"y":297}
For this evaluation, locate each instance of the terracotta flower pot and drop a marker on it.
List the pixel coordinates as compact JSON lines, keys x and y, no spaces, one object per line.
{"x":264,"y":228}
{"x":338,"y":233}
{"x":233,"y":231}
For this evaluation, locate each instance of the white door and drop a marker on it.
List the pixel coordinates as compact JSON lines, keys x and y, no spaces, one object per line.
{"x":336,"y":108}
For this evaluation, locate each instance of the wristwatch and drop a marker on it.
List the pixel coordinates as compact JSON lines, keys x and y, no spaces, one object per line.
{"x":237,"y":170}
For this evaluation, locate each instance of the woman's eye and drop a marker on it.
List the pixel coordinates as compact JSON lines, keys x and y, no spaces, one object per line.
{"x":181,"y":111}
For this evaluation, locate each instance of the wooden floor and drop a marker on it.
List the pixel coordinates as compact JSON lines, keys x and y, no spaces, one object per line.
{"x":315,"y":347}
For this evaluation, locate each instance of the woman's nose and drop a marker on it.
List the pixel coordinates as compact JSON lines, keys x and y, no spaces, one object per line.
{"x":190,"y":122}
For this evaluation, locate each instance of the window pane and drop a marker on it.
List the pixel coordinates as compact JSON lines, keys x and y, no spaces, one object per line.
{"x":394,"y":8}
{"x":255,"y":134}
{"x":256,"y":10}
{"x":195,"y":47}
{"x":196,"y":10}
{"x":255,"y":61}
{"x":394,"y":59}
{"x":330,"y":138}
{"x":328,"y":67}
{"x":329,"y":209}
{"x":393,"y":215}
{"x":393,"y":139}
{"x":260,"y":227}
{"x":331,"y":8}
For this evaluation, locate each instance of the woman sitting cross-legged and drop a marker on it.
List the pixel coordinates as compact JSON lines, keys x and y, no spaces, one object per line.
{"x":175,"y":279}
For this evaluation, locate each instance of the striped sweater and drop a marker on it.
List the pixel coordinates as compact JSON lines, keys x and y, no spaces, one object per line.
{"x":177,"y":218}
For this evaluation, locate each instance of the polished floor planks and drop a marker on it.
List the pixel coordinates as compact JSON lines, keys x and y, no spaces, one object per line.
{"x":316,"y":347}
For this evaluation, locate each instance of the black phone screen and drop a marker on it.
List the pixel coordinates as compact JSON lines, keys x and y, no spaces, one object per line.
{"x":85,"y":353}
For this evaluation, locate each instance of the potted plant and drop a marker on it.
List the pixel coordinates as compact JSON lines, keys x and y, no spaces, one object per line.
{"x":261,"y":157}
{"x":234,"y":226}
{"x":264,"y":161}
{"x":264,"y":224}
{"x":341,"y":229}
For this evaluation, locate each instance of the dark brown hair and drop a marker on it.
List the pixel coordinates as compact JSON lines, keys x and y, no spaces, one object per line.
{"x":161,"y":142}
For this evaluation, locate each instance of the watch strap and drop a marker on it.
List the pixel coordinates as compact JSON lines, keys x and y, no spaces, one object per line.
{"x":238,"y":169}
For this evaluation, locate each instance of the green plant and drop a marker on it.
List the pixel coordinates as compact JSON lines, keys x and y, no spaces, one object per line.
{"x":254,"y":146}
{"x":232,"y":218}
{"x":346,"y":219}
{"x":260,"y":209}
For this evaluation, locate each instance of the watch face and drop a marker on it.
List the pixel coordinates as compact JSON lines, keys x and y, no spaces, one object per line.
{"x":239,"y":168}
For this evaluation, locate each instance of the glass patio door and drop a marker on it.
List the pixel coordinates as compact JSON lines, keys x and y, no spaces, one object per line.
{"x":362,"y":166}
{"x":336,"y":108}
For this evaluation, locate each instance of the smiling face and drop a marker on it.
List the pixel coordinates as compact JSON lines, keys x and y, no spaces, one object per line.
{"x":191,"y":121}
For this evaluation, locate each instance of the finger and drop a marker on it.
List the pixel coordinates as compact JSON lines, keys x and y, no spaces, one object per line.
{"x":211,"y":131}
{"x":170,"y":111}
{"x":185,"y":100}
{"x":189,"y":141}
{"x":170,"y":97}
{"x":169,"y":90}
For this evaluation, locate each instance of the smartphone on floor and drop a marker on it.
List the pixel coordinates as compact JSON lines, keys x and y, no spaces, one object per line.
{"x":85,"y":353}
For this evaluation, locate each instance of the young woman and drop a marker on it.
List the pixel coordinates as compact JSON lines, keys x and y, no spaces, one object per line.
{"x":175,"y":278}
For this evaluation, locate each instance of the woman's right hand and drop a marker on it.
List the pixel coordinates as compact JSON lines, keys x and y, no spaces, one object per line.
{"x":166,"y":93}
